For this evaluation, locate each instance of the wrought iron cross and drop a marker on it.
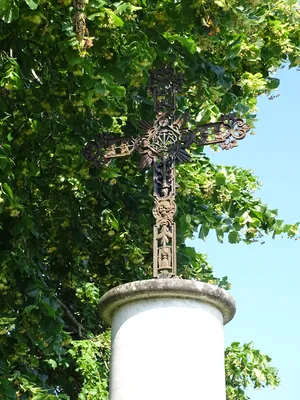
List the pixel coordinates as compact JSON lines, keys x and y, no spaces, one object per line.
{"x":163,"y":144}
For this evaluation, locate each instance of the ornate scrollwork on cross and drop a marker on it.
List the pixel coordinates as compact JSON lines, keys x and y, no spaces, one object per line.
{"x":164,"y":83}
{"x":163,"y":143}
{"x":164,"y":137}
{"x":103,"y":150}
{"x":225,"y":133}
{"x":164,"y":232}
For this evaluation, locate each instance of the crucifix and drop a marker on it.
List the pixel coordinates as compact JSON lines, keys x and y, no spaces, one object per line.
{"x":163,"y":144}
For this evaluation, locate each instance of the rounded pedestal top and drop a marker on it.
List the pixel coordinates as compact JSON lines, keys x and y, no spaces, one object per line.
{"x":167,"y":288}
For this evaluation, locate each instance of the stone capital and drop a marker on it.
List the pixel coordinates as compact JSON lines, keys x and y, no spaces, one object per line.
{"x":167,"y":288}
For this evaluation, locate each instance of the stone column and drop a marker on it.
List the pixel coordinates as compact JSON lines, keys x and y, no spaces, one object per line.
{"x":167,"y":339}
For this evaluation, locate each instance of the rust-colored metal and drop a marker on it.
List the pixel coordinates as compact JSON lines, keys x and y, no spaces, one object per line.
{"x":164,"y":84}
{"x":164,"y":231}
{"x":104,"y":149}
{"x":163,"y":144}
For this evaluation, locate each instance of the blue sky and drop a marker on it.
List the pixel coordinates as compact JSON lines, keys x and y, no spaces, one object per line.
{"x":266,"y":278}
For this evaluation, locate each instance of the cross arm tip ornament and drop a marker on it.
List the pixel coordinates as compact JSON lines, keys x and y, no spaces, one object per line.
{"x":225,"y":133}
{"x":105,"y":148}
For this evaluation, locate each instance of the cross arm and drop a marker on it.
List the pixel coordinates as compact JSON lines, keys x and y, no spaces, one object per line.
{"x":103,"y":149}
{"x":225,"y":133}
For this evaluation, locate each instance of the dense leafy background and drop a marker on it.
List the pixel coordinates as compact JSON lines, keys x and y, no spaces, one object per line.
{"x":70,"y":232}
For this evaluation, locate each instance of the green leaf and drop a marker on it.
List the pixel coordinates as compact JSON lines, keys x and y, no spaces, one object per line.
{"x":292,"y":2}
{"x":187,"y":42}
{"x":3,"y":162}
{"x":117,"y":20}
{"x":273,"y":83}
{"x":190,"y":251}
{"x":99,"y":88}
{"x":33,"y":292}
{"x":72,"y":56}
{"x":233,"y":237}
{"x":121,"y":7}
{"x":270,"y":214}
{"x":117,"y":91}
{"x":108,"y":173}
{"x":7,"y":320}
{"x":220,"y":235}
{"x":31,"y":4}
{"x":91,"y":17}
{"x":9,"y":11}
{"x":28,"y":309}
{"x":227,"y":221}
{"x":17,"y":228}
{"x":235,"y":191}
{"x":204,"y":231}
{"x":8,"y":391}
{"x":219,"y":71}
{"x":52,"y":363}
{"x":220,"y":179}
{"x":33,"y":169}
{"x":50,"y":306}
{"x":233,"y":50}
{"x":72,"y":41}
{"x":7,"y":190}
{"x":293,"y":231}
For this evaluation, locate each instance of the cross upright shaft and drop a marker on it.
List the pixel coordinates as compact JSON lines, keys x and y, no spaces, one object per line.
{"x":165,"y":143}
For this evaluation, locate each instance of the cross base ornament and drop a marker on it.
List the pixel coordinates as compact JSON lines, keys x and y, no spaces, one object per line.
{"x":164,"y":143}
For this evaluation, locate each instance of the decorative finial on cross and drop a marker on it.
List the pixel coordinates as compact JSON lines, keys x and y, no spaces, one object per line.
{"x":163,"y":144}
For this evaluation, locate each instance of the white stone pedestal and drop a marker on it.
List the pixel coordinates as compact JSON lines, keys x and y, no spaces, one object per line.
{"x":167,"y":339}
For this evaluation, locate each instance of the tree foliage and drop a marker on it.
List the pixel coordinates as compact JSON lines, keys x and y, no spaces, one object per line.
{"x":69,"y":71}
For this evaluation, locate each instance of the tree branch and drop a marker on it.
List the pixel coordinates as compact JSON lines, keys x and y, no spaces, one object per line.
{"x":82,"y":332}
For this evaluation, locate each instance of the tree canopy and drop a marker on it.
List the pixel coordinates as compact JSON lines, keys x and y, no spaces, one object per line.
{"x":70,"y":232}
